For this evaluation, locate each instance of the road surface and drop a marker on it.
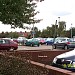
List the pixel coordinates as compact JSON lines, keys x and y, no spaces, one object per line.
{"x":41,"y":47}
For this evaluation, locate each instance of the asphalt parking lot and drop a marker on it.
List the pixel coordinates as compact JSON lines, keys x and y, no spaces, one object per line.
{"x":41,"y":47}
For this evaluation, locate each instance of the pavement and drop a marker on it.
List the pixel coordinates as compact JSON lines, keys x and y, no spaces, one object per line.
{"x":41,"y":47}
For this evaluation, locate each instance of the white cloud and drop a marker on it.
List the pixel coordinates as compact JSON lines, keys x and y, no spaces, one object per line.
{"x":50,"y":10}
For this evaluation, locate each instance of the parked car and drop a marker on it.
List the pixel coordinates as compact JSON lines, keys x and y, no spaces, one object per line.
{"x":32,"y":42}
{"x":65,"y":60}
{"x":6,"y":44}
{"x":42,"y":41}
{"x":63,"y":42}
{"x":49,"y":41}
{"x":21,"y":40}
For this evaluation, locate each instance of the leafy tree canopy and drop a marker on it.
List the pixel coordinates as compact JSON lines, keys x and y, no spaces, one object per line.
{"x":17,"y":12}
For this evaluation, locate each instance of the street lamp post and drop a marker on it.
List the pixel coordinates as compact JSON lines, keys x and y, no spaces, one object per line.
{"x":33,"y":30}
{"x":71,"y":30}
{"x":33,"y":33}
{"x":58,"y":26}
{"x":55,"y":29}
{"x":58,"y":21}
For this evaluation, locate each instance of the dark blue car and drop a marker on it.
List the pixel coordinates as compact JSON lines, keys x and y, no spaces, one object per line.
{"x":49,"y":41}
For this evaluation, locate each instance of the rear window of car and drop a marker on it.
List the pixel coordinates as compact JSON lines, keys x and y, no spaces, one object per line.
{"x":69,"y":40}
{"x":63,"y":39}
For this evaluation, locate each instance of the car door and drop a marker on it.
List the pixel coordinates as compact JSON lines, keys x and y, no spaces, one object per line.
{"x":4,"y":44}
{"x":7,"y":44}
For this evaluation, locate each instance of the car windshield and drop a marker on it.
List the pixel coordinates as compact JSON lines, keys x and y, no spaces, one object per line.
{"x":34,"y":39}
{"x":62,"y":39}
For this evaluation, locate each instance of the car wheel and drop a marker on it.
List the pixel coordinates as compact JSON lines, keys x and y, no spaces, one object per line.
{"x":15,"y":48}
{"x":11,"y":49}
{"x":38,"y":45}
{"x":66,"y":47}
{"x":54,"y":46}
{"x":32,"y":45}
{"x":46,"y":43}
{"x":8,"y":49}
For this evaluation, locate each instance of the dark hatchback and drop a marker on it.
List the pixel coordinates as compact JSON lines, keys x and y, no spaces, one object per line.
{"x":6,"y":44}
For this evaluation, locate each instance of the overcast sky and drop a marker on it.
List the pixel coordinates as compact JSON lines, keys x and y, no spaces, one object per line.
{"x":50,"y":10}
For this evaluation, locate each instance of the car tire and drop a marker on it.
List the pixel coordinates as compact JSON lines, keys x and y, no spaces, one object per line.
{"x":46,"y":43}
{"x":65,"y":47}
{"x":38,"y":45}
{"x":11,"y":48}
{"x":15,"y":48}
{"x":54,"y":46}
{"x":32,"y":45}
{"x":8,"y":49}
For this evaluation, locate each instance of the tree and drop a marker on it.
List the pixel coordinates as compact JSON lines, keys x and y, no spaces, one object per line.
{"x":17,"y":12}
{"x":37,"y":32}
{"x":13,"y":35}
{"x":44,"y":33}
{"x":62,"y":28}
{"x":2,"y":35}
{"x":73,"y":32}
{"x":68,"y":34}
{"x":54,"y":31}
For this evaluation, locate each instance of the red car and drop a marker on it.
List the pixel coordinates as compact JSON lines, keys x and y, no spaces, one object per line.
{"x":42,"y":41}
{"x":6,"y":44}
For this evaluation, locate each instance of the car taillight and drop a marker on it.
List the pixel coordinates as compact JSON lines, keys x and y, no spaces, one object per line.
{"x":68,"y":42}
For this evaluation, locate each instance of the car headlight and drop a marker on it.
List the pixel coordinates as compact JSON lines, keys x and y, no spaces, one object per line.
{"x":54,"y":60}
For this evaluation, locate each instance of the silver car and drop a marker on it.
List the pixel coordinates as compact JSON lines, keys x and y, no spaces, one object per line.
{"x":64,"y":42}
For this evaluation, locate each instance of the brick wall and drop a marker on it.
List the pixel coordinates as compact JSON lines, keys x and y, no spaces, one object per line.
{"x":45,"y":56}
{"x":41,"y":59}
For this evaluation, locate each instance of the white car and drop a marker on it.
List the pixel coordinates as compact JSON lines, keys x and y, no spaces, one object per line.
{"x":65,"y":60}
{"x":20,"y":39}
